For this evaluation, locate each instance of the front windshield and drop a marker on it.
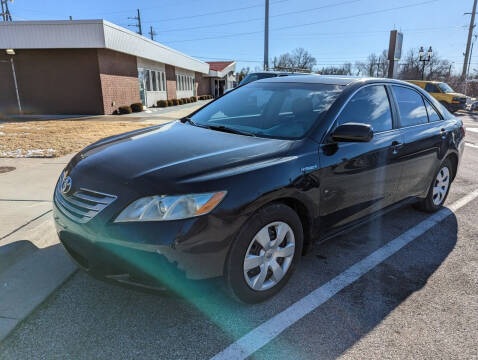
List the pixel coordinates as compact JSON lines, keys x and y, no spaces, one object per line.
{"x":256,"y":76}
{"x":278,"y":110}
{"x":445,"y":88}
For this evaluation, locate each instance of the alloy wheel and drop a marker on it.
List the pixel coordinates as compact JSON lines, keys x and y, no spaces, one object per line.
{"x":269,"y":256}
{"x":440,"y":187}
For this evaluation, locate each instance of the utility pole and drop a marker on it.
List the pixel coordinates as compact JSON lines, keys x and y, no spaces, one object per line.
{"x":151,"y":32}
{"x":468,"y":43}
{"x":266,"y":37}
{"x":138,"y":24}
{"x":6,"y":16}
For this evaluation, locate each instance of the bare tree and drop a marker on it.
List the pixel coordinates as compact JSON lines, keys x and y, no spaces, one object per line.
{"x":411,"y":68}
{"x":374,"y":66}
{"x":243,"y":73}
{"x":299,"y":59}
{"x":345,"y":69}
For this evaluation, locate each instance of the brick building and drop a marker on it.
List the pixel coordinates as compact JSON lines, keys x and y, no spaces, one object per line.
{"x":91,"y":67}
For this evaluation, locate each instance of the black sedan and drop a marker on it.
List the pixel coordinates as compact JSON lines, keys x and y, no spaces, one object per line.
{"x":242,"y":187}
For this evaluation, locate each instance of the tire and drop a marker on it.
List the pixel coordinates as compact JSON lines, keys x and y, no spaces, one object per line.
{"x":434,"y":201}
{"x":265,"y":225}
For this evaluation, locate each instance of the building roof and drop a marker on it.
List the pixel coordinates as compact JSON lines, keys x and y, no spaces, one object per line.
{"x":219,"y":65}
{"x":68,"y":34}
{"x":221,"y":68}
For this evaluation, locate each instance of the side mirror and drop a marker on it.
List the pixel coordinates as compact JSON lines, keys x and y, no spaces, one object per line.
{"x":353,"y":132}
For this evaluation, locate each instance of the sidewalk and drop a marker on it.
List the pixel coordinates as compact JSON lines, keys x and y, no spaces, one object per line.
{"x":148,"y":113}
{"x":32,"y":262}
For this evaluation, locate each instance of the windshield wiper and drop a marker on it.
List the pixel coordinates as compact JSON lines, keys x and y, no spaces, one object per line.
{"x":229,"y":130}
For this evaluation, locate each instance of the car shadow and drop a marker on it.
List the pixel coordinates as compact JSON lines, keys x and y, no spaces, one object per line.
{"x":88,"y":318}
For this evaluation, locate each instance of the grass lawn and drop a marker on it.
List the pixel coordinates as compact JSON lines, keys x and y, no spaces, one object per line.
{"x":58,"y":137}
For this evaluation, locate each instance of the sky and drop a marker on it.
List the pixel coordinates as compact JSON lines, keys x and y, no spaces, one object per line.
{"x":333,"y":31}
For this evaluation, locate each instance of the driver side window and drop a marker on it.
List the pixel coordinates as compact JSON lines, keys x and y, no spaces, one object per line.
{"x":371,"y":106}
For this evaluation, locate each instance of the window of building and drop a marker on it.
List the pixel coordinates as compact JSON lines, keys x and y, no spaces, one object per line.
{"x":369,"y":105}
{"x":163,"y":80}
{"x":178,"y":85}
{"x":411,"y":106}
{"x":154,"y":81}
{"x":147,"y":79}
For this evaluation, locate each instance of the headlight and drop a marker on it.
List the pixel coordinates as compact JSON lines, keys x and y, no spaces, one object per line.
{"x":162,"y":208}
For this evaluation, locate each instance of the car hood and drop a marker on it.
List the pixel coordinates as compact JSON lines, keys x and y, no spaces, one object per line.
{"x":170,"y":153}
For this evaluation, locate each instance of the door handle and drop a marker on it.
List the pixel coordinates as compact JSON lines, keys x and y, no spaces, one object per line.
{"x":443,"y":133}
{"x":396,"y":146}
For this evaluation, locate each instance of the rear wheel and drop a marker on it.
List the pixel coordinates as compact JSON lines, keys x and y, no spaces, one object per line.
{"x":264,"y":254}
{"x":439,"y":188}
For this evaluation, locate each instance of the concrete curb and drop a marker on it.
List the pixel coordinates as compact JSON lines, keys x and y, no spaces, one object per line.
{"x":27,"y":283}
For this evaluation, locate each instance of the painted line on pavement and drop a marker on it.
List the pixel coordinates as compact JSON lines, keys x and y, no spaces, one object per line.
{"x":264,"y":333}
{"x":475,"y":130}
{"x":471,"y":145}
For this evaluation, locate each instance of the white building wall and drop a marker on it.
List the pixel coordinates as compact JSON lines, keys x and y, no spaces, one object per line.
{"x":184,"y":83}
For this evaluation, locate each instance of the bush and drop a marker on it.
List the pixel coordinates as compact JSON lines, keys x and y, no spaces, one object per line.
{"x":193,"y":99}
{"x":186,"y":100}
{"x":170,"y":102}
{"x":137,"y":107}
{"x":162,"y":103}
{"x":175,"y":102}
{"x":180,"y":101}
{"x":125,"y":110}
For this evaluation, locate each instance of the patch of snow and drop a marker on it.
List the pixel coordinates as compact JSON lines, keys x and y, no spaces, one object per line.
{"x":20,"y":153}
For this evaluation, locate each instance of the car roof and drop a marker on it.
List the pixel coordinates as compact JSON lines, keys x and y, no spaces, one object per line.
{"x":424,"y":81}
{"x":330,"y":79}
{"x":280,"y":72}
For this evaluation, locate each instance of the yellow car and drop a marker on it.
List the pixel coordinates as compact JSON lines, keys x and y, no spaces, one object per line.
{"x":441,"y":91}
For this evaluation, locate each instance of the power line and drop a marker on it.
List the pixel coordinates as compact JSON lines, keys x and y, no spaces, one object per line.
{"x":259,"y":18}
{"x":217,"y":12}
{"x":6,"y":16}
{"x":138,"y":24}
{"x":306,"y":24}
{"x":152,"y":33}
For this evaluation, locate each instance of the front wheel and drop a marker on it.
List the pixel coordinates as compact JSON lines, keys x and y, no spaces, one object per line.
{"x":439,"y":189}
{"x":264,"y":254}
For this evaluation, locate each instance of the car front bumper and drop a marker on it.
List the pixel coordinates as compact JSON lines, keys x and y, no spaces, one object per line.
{"x":151,"y":254}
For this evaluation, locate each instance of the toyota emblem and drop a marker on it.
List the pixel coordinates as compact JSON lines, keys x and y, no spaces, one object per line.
{"x":66,"y":185}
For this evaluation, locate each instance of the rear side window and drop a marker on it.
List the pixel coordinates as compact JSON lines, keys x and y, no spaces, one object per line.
{"x":431,"y":88}
{"x":369,"y":105}
{"x":432,"y":113}
{"x":411,"y":106}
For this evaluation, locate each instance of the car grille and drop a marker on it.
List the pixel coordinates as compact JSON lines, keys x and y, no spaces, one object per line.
{"x":83,"y":205}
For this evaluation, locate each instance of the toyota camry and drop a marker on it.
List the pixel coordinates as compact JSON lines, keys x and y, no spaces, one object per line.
{"x":244,"y":186}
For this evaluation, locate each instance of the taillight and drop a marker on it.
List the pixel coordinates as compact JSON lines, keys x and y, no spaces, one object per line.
{"x":463,"y":131}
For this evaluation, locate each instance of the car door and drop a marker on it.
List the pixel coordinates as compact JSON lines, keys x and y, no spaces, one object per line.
{"x":358,"y":179}
{"x":422,"y":140}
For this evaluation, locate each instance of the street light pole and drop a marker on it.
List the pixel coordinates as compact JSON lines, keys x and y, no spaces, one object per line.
{"x":11,"y":53}
{"x":424,"y":58}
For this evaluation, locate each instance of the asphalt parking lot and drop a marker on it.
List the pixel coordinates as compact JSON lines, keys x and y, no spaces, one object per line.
{"x":420,"y":302}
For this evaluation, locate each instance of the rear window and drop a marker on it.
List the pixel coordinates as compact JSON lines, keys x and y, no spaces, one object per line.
{"x":256,"y":76}
{"x":411,"y":106}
